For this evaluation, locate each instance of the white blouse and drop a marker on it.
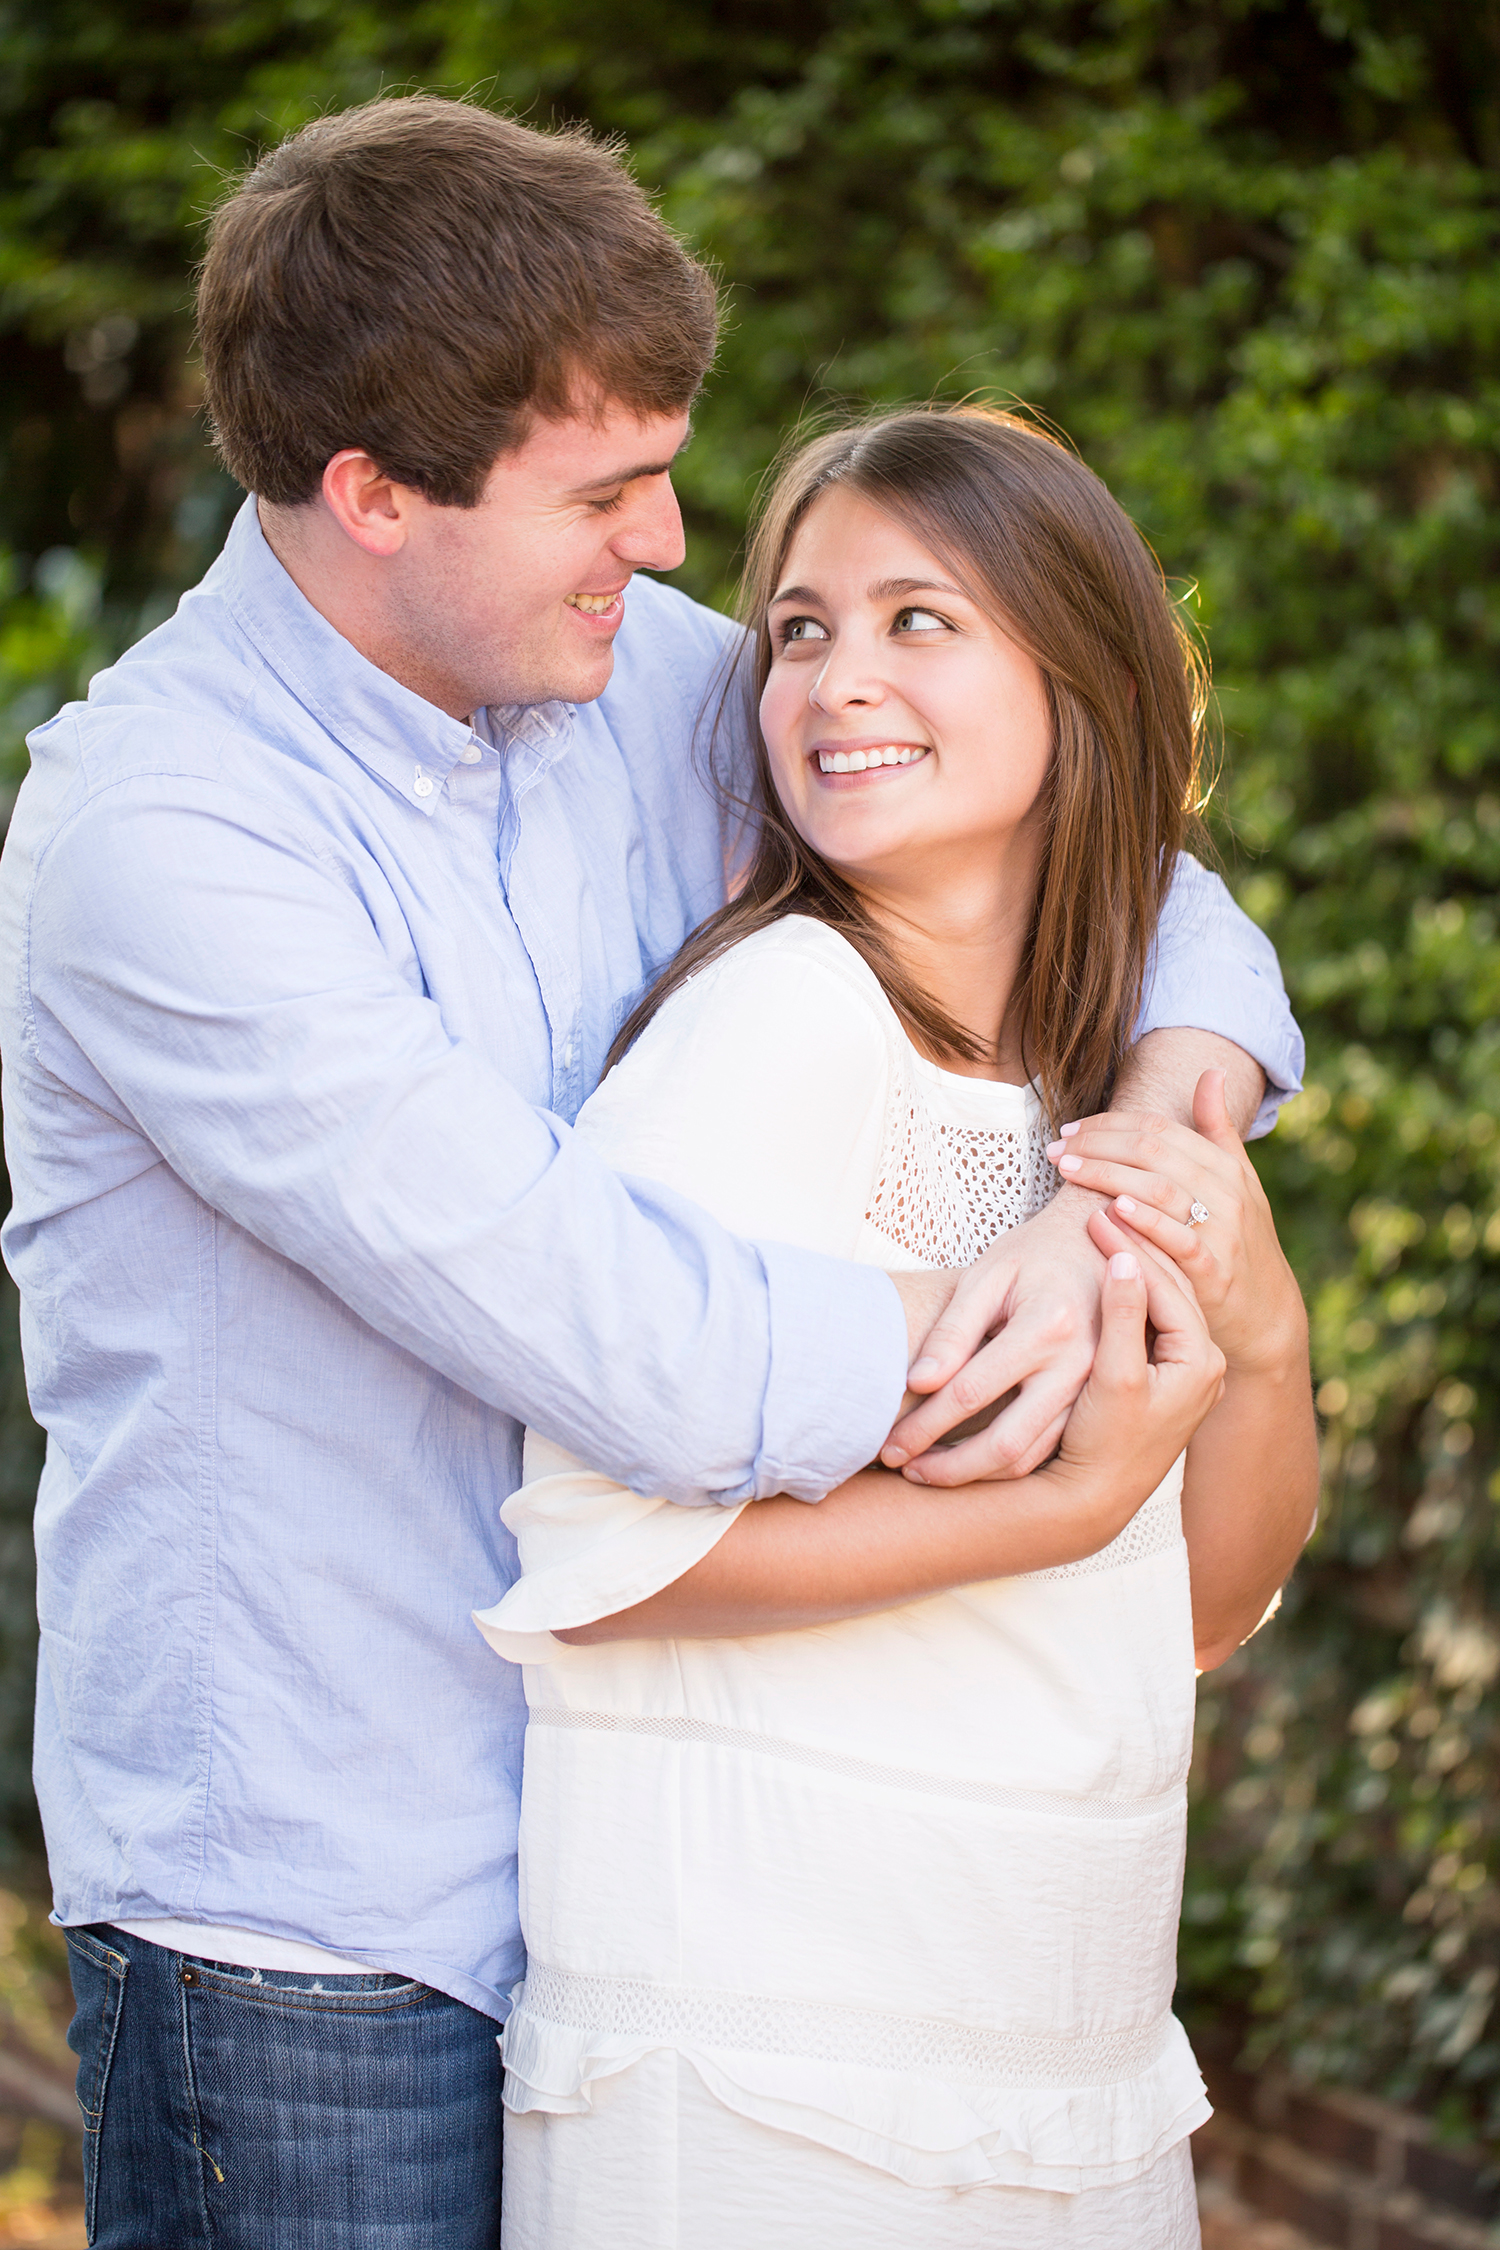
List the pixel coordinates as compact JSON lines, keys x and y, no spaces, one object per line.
{"x":906,"y":1885}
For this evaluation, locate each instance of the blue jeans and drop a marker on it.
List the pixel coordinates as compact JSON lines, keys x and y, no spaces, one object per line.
{"x":248,"y":2109}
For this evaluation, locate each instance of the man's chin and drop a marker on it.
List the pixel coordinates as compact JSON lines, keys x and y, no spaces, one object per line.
{"x":568,"y":683}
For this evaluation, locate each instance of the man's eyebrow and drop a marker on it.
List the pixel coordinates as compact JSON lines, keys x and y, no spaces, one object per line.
{"x":628,"y":476}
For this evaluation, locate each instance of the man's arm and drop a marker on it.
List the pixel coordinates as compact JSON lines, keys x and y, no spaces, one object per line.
{"x":1035,"y":1294}
{"x":210,"y":978}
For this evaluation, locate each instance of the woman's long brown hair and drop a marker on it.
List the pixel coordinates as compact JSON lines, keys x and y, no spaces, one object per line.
{"x":1036,"y":540}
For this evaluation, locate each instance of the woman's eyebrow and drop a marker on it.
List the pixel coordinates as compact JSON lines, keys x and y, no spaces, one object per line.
{"x":888,"y":589}
{"x":884,"y":590}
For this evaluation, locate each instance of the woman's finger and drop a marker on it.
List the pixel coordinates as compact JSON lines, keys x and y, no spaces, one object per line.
{"x":1181,"y":1332}
{"x":1189,"y":1248}
{"x":1108,"y":1235}
{"x":1186,"y":1158}
{"x":1211,"y":1115}
{"x":1177,"y":1153}
{"x":1173,"y":1196}
{"x":1120,"y":1361}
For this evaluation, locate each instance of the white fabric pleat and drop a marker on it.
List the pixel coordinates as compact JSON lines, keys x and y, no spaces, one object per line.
{"x":660,"y":2163}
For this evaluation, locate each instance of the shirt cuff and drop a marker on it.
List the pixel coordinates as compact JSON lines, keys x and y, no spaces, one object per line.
{"x":838,"y":1372}
{"x":1248,"y":1017}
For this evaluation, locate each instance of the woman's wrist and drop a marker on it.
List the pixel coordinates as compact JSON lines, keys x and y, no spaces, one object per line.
{"x":1090,"y":1501}
{"x":1276,"y":1349}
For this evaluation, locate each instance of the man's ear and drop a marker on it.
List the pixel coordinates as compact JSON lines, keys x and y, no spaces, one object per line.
{"x":368,"y":506}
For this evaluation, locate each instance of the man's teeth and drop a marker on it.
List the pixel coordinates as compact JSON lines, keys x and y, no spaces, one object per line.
{"x":859,"y":761}
{"x":592,"y":605}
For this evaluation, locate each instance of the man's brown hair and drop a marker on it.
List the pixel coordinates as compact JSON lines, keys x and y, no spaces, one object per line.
{"x":1037,"y":541}
{"x":420,"y":278}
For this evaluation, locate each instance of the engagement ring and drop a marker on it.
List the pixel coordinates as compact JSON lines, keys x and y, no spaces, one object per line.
{"x":1197,"y":1216}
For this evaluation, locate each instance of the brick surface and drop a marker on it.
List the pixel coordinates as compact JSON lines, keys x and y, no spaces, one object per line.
{"x":1276,"y":2176}
{"x":1454,"y":2177}
{"x":1229,"y":2224}
{"x":1382,"y":2147}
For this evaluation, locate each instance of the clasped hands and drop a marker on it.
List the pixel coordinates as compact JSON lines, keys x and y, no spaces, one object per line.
{"x":1025,"y":1319}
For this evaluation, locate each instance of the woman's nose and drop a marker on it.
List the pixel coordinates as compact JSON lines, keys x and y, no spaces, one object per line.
{"x":844,"y":683}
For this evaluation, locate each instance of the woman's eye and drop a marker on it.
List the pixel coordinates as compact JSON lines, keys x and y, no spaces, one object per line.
{"x":918,"y":621}
{"x":802,"y":629}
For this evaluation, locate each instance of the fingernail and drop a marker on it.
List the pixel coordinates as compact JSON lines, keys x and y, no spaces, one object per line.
{"x":913,"y":1476}
{"x":922,"y":1370}
{"x":1065,"y":1130}
{"x":1124,"y":1267}
{"x":1070,"y":1164}
{"x":1125,"y":1203}
{"x":1055,"y":1149}
{"x":893,"y":1457}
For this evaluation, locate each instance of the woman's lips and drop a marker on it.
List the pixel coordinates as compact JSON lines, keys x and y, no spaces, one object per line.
{"x":867,"y":758}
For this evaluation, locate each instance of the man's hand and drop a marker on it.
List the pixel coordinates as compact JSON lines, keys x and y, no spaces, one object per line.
{"x":1039,"y":1287}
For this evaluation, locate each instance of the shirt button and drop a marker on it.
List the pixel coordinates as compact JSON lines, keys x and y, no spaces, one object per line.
{"x":421,"y":787}
{"x":470,"y":754}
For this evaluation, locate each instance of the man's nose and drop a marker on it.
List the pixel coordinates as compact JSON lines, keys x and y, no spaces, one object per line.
{"x":651,"y":536}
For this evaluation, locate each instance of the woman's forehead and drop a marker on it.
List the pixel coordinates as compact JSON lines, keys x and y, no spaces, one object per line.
{"x":849,"y":542}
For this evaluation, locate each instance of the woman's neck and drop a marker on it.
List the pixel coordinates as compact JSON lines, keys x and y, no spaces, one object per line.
{"x":962,"y":942}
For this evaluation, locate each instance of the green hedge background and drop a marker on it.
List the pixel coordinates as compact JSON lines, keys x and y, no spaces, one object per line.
{"x":1245,"y":252}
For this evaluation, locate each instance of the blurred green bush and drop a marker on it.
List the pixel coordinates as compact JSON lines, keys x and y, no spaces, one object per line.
{"x":1245,"y":252}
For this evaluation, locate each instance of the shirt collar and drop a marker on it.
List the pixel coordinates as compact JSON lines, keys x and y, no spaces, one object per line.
{"x":544,"y":729}
{"x":404,"y":741}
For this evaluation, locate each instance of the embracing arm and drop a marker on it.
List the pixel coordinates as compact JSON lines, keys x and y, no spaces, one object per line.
{"x":244,"y":1003}
{"x":878,"y":1542}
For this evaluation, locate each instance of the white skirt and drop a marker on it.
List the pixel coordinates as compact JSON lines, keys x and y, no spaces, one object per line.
{"x":659,"y":2163}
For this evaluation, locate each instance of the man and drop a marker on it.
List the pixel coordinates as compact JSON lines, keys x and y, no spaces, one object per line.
{"x":316,"y":924}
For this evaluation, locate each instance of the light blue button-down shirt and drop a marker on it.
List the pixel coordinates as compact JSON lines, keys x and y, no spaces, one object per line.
{"x":300,"y":984}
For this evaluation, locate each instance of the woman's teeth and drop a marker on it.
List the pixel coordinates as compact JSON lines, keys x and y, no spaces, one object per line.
{"x":592,"y":605}
{"x":860,"y":761}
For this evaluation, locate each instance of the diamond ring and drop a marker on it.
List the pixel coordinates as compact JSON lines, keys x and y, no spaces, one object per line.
{"x":1198,"y":1216}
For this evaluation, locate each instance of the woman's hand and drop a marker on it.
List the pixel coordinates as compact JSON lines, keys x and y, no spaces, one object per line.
{"x":1250,"y":1493}
{"x":1140,"y":1406}
{"x":1154,"y":1173}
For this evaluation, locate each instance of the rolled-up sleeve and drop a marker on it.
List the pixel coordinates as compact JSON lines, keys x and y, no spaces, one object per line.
{"x":213,"y":977}
{"x":1211,"y":969}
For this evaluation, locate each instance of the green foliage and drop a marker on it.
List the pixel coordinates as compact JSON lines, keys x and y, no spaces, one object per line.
{"x":1244,"y":251}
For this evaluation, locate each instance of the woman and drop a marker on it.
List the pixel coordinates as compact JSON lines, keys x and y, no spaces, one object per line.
{"x":852,"y":1834}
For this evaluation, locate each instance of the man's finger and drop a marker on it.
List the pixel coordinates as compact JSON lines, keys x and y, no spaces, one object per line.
{"x":1007,"y":1449}
{"x":977,"y":1305}
{"x":1016,"y":1356}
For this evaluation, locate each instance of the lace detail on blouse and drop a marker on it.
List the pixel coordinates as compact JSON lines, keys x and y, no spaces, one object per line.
{"x":757,"y":2023}
{"x":946,"y":1191}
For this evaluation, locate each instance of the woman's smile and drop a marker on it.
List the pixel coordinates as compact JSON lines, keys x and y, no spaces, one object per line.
{"x":852,"y":761}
